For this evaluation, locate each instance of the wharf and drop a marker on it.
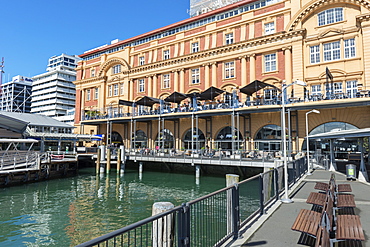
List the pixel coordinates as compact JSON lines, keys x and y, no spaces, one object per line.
{"x":274,"y":228}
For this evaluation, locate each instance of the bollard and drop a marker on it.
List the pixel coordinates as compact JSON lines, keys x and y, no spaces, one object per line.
{"x":231,"y":179}
{"x":163,"y":228}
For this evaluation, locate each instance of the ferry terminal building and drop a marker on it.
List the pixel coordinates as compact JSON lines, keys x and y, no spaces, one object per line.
{"x":215,"y":80}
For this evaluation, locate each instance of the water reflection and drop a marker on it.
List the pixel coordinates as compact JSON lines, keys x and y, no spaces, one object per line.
{"x":70,"y":211}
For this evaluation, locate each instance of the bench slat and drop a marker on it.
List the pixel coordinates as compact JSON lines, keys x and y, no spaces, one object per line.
{"x":349,"y":227}
{"x":346,"y":200}
{"x":307,"y":221}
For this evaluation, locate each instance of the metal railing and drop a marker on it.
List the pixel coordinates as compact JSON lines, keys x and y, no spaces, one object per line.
{"x":211,"y":220}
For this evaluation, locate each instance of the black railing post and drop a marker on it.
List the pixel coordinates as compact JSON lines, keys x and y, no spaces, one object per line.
{"x":262,"y":207}
{"x":294,"y":171}
{"x":183,"y":233}
{"x":276,"y":177}
{"x":236,"y":214}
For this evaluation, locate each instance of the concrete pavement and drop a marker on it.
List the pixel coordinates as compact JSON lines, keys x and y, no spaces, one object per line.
{"x":274,"y":228}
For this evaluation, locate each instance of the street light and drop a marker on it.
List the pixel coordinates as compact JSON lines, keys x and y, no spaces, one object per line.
{"x":300,"y":83}
{"x":308,"y":145}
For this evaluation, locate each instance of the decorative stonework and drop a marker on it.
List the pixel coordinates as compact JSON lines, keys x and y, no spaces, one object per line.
{"x":111,"y":62}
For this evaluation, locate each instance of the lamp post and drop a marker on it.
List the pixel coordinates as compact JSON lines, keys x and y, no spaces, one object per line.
{"x":300,"y":83}
{"x":308,"y":145}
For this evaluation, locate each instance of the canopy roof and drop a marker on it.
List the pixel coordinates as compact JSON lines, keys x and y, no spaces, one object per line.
{"x":255,"y":86}
{"x":353,"y":133}
{"x":176,"y":97}
{"x":148,"y":101}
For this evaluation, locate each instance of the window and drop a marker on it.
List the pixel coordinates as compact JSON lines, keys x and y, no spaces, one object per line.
{"x":351,"y":88}
{"x":195,"y":76}
{"x":122,"y":89}
{"x":229,"y":38}
{"x":270,"y":93}
{"x":338,"y":87}
{"x":92,"y":72}
{"x":349,"y":48}
{"x":316,"y":89}
{"x":88,"y":95}
{"x":195,"y":47}
{"x":332,"y":51}
{"x":315,"y":54}
{"x":115,"y":90}
{"x":166,"y":81}
{"x":229,"y":70}
{"x":116,"y":69}
{"x":270,"y":62}
{"x":141,"y":60}
{"x":110,"y":91}
{"x":166,"y":54}
{"x":96,"y":93}
{"x":141,"y":85}
{"x":269,"y":28}
{"x":330,"y":16}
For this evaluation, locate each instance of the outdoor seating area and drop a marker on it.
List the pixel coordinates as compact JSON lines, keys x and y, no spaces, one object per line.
{"x":210,"y":99}
{"x":332,"y":218}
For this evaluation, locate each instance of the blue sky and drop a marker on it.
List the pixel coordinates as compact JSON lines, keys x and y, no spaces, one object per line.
{"x":34,"y":30}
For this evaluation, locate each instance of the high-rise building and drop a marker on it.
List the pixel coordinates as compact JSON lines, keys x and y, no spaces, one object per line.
{"x":53,"y":93}
{"x":16,"y":95}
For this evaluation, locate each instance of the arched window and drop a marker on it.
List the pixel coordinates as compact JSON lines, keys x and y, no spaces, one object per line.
{"x":268,"y":138}
{"x":226,"y":138}
{"x":140,"y":140}
{"x":197,"y":138}
{"x":341,"y":146}
{"x":116,"y":137}
{"x":164,"y":139}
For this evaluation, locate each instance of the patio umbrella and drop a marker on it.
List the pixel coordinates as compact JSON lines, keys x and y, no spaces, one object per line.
{"x":125,"y":102}
{"x":254,"y":86}
{"x":176,"y":97}
{"x":210,"y":93}
{"x":148,"y":101}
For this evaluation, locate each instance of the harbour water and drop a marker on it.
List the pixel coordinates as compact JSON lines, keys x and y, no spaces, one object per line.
{"x":69,"y":211}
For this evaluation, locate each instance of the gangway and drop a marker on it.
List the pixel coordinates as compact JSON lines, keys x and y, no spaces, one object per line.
{"x":17,"y":154}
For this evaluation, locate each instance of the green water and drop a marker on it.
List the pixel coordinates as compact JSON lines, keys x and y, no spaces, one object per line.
{"x":70,"y":211}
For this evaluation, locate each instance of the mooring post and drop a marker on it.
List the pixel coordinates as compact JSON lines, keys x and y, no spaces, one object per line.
{"x":123,"y":159}
{"x":108,"y":159}
{"x":197,"y":171}
{"x":163,"y":229}
{"x":118,"y":160}
{"x":98,"y":158}
{"x":231,"y":179}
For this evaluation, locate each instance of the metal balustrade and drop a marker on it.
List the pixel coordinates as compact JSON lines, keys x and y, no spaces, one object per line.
{"x":211,"y":220}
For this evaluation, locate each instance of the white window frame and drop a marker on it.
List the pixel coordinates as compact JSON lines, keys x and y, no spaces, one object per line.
{"x":332,"y":51}
{"x":316,"y":89}
{"x":166,"y":81}
{"x":96,"y":93}
{"x":351,"y":88}
{"x":229,"y":70}
{"x":115,"y":89}
{"x":195,"y":76}
{"x":110,"y":91}
{"x":122,"y":89}
{"x":88,"y":94}
{"x":229,"y":38}
{"x":141,"y":60}
{"x":141,"y":85}
{"x":92,"y":73}
{"x":330,"y":16}
{"x":194,"y":47}
{"x":270,"y":62}
{"x":349,"y":48}
{"x":338,"y":87}
{"x":315,"y":54}
{"x":166,"y":54}
{"x":116,"y":69}
{"x":269,"y":28}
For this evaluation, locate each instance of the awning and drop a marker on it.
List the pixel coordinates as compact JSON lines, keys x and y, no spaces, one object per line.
{"x":148,"y":101}
{"x":255,"y":86}
{"x":176,"y":97}
{"x":346,"y":134}
{"x":210,"y":93}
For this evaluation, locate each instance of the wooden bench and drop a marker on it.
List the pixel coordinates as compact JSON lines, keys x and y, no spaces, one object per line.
{"x":316,"y":198}
{"x":345,"y":201}
{"x":307,"y":221}
{"x":349,"y":228}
